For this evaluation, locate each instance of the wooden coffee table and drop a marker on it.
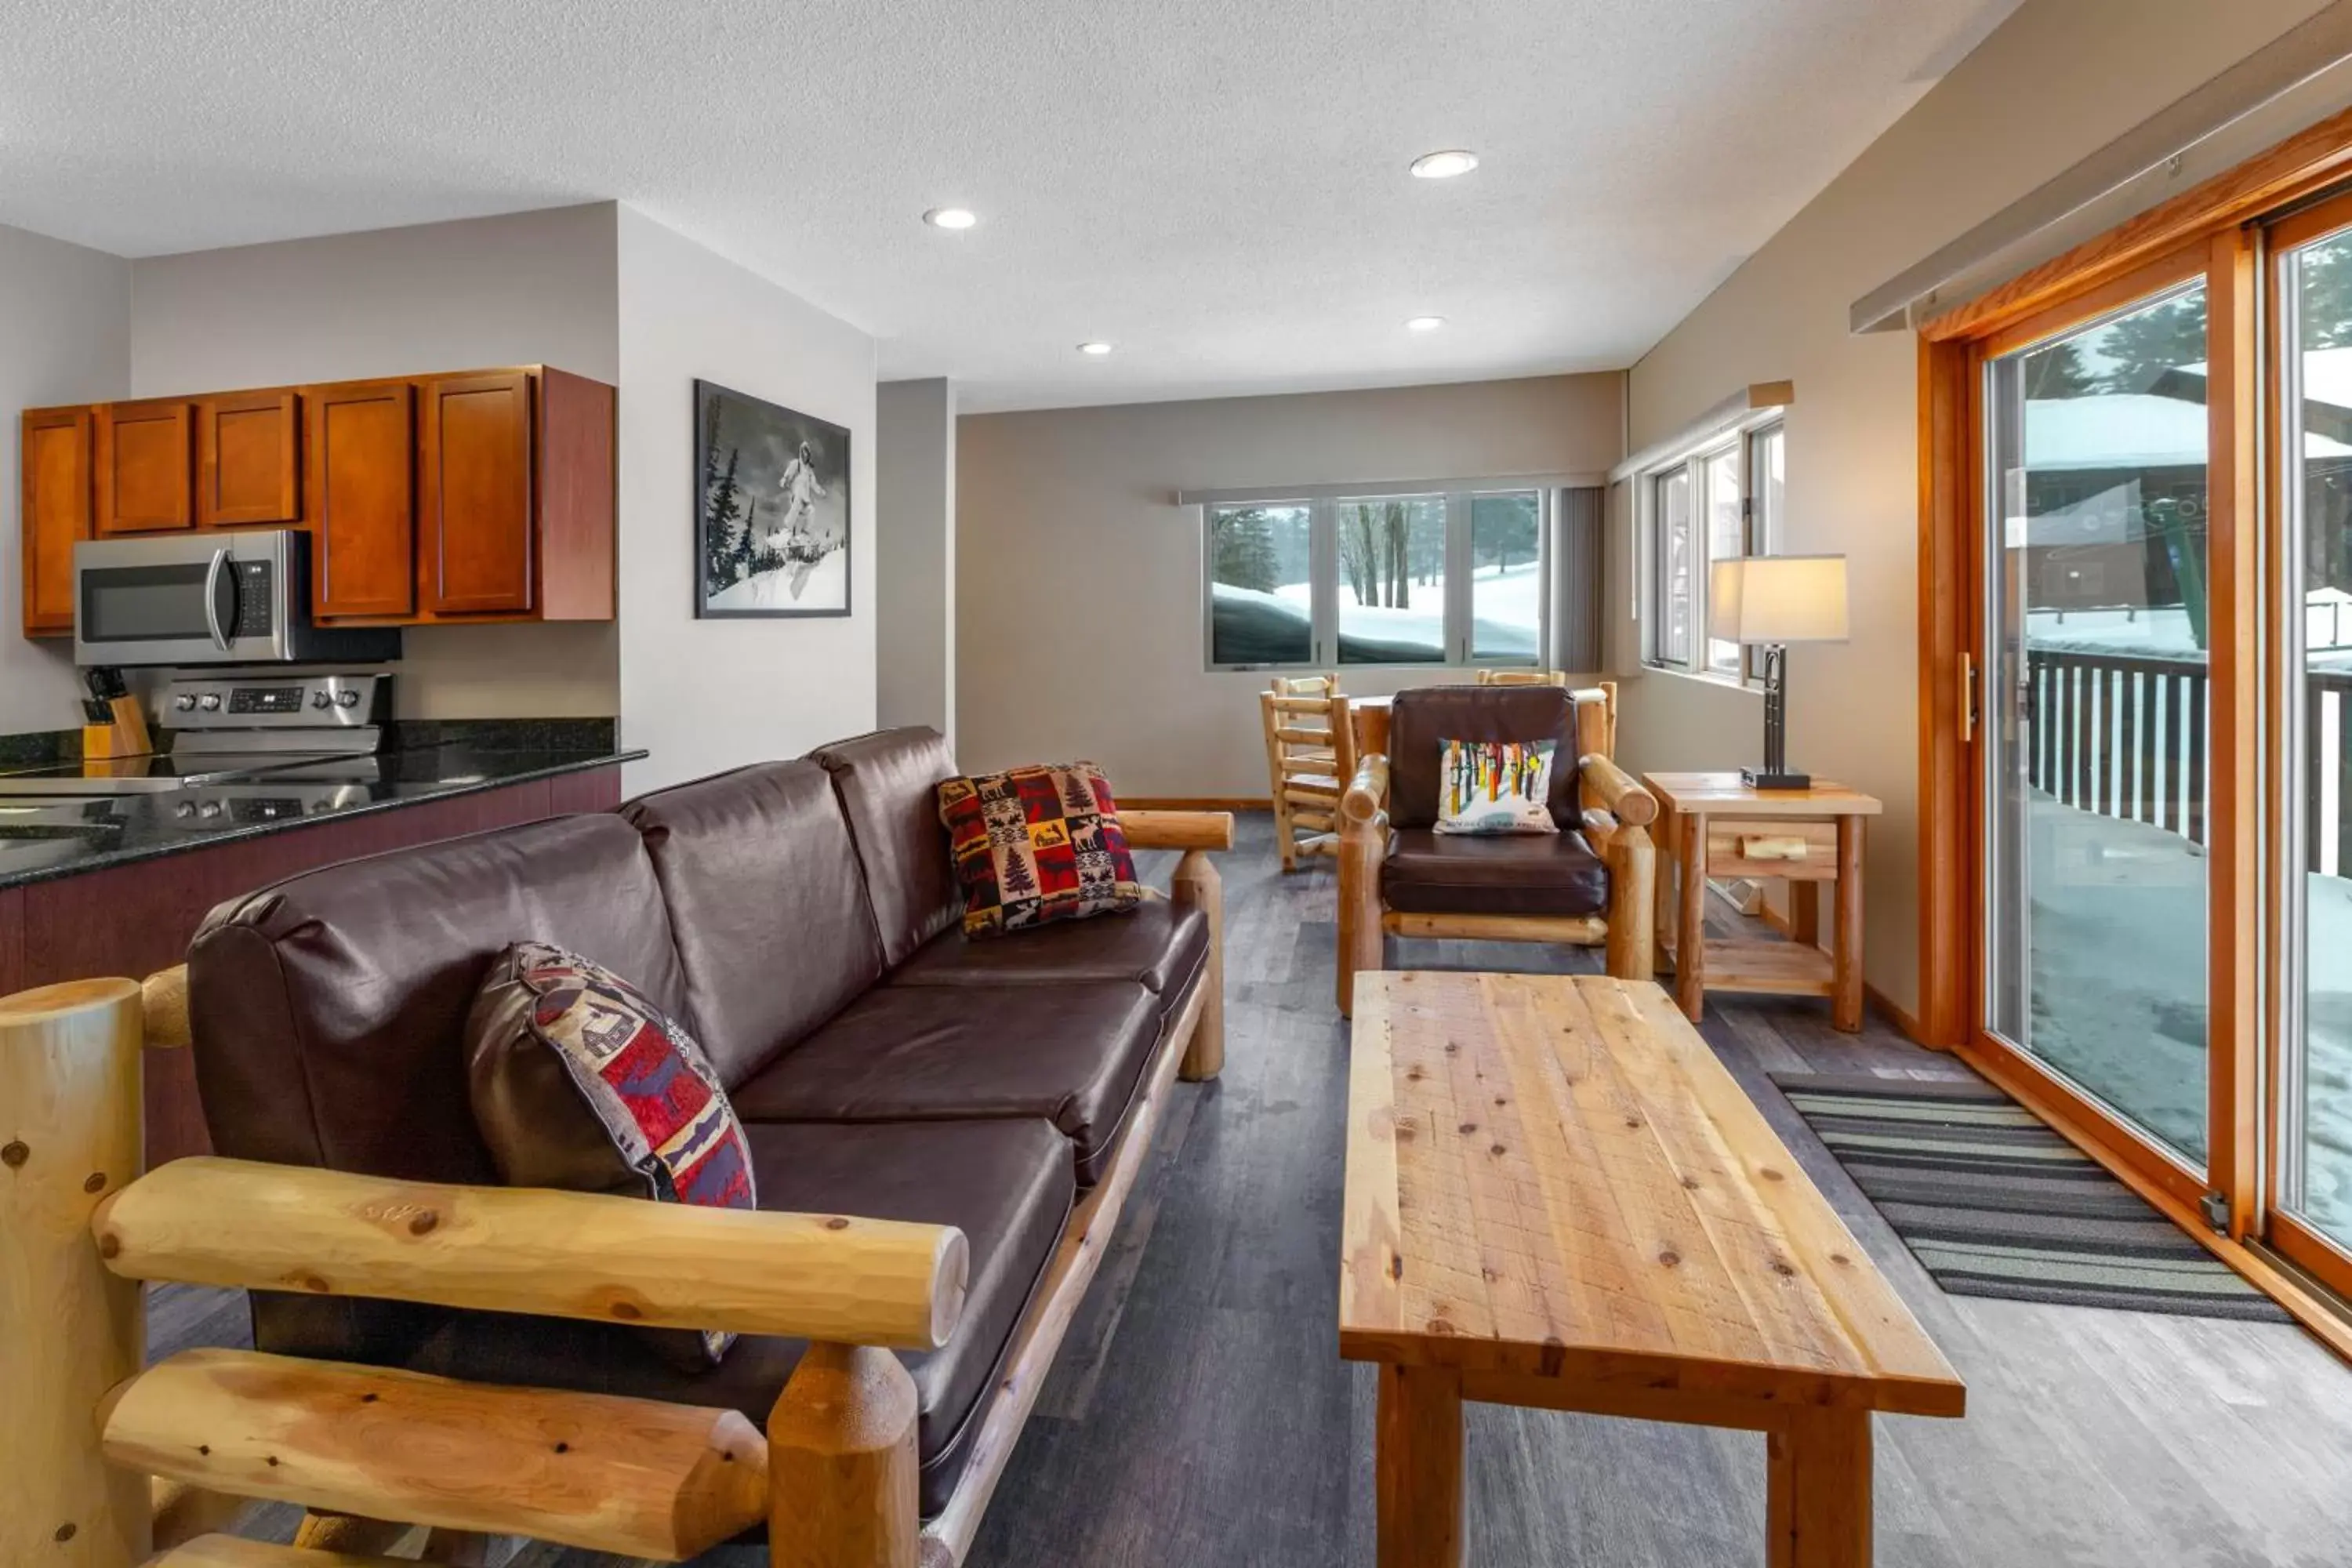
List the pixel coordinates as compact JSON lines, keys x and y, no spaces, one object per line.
{"x":1558,"y":1197}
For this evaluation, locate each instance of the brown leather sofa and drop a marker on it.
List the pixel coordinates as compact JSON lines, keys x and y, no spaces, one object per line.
{"x":1592,"y":883}
{"x":800,"y":917}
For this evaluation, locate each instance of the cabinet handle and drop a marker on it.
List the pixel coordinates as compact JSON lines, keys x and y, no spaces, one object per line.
{"x":1967,"y":698}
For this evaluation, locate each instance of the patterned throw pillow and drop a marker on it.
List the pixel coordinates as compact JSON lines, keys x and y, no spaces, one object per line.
{"x":1495,"y":786}
{"x":1037,"y":845}
{"x":579,"y":1081}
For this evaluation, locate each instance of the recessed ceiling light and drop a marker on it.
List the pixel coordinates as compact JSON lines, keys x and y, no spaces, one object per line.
{"x":950,"y":218}
{"x":1444,"y":165}
{"x":1424,"y":323}
{"x":1097,"y":348}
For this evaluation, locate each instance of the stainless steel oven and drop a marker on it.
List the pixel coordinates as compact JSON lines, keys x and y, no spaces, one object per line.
{"x":209,"y":596}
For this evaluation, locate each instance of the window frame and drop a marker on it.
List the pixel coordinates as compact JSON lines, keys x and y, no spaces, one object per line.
{"x":1323,"y":503}
{"x":1741,"y":441}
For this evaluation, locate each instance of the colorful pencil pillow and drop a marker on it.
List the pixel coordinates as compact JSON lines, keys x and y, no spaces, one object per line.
{"x":1495,"y":786}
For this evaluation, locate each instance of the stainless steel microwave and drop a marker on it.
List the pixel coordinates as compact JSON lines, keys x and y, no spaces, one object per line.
{"x":210,"y":597}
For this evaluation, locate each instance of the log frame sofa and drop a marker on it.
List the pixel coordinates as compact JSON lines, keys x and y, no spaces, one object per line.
{"x":1601,"y":811}
{"x":108,"y":1461}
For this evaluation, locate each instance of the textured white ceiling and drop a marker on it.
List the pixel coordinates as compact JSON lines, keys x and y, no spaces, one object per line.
{"x":1216,"y":186}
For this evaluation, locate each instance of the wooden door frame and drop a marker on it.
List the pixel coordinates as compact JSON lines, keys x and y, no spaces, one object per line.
{"x":2223,"y":217}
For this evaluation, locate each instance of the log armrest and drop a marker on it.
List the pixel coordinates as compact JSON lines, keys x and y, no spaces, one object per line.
{"x":1612,"y":789}
{"x":1177,"y":829}
{"x":248,"y":1224}
{"x":1367,"y":793}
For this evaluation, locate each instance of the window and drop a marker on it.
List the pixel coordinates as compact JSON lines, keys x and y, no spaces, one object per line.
{"x":1442,"y":575}
{"x":1718,"y":503}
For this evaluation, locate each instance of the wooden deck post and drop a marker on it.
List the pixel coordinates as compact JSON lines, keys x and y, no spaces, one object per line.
{"x":1198,"y":882}
{"x":842,"y":1463}
{"x":70,"y":1330}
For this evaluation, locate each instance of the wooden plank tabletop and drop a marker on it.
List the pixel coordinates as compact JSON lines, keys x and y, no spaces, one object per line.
{"x":1723,"y":795}
{"x":1553,"y":1176}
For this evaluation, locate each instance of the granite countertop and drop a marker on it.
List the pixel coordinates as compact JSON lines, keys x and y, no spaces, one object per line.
{"x":46,"y":837}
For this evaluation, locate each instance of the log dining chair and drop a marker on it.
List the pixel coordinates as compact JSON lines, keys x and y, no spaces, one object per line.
{"x":1310,"y":754}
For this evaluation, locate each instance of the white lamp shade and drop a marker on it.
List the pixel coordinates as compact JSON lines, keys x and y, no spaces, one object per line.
{"x":1777,"y":599}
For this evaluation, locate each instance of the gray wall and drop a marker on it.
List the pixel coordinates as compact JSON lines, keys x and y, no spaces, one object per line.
{"x":524,"y":289}
{"x":64,"y":337}
{"x":705,"y":695}
{"x":914,"y":504}
{"x":1078,"y":590}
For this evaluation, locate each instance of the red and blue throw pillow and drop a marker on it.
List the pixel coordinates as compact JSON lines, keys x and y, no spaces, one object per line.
{"x":1037,"y":845}
{"x":579,"y":1081}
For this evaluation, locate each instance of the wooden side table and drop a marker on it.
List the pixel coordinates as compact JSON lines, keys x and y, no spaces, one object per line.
{"x":1711,"y":824}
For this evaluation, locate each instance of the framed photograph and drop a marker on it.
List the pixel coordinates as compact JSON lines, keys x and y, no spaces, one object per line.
{"x":771,"y":509}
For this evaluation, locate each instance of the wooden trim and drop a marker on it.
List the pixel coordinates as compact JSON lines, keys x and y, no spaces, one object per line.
{"x":1947,"y":587}
{"x":1056,"y":1302}
{"x":1196,"y":803}
{"x":2301,"y":165}
{"x":2306,"y":1248}
{"x":2076,"y":308}
{"x":2233,"y":773}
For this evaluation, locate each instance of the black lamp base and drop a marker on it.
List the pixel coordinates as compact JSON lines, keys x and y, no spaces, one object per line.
{"x":1767,"y":778}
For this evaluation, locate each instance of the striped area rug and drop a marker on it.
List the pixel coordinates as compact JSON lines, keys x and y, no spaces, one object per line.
{"x":1995,"y":1203}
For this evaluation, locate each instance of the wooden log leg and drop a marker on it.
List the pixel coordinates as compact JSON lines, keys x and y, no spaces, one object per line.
{"x":1361,"y":951}
{"x":1817,"y":1505}
{"x":1665,"y":839}
{"x":1845,"y":953}
{"x":1419,"y":1479}
{"x":352,"y":1533}
{"x":1632,"y":890}
{"x":1690,"y":924}
{"x":1197,"y":882}
{"x":842,"y":1464}
{"x":70,"y":1330}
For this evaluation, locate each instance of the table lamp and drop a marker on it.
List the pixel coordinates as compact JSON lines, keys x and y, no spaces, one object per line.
{"x":1772,"y":600}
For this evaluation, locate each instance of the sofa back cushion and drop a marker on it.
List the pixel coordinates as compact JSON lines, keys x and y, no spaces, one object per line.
{"x":329,"y":1010}
{"x":774,"y":932}
{"x":888,"y":783}
{"x":1423,"y":719}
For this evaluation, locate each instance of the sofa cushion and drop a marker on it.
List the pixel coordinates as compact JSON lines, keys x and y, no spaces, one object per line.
{"x":1423,"y":718}
{"x":329,"y":1010}
{"x":774,"y":932}
{"x":580,"y":1083}
{"x":1005,"y":1184}
{"x":1495,"y":786}
{"x":1037,"y":845}
{"x":1160,"y":946}
{"x":888,"y":785}
{"x":1073,"y":1054}
{"x":1516,"y":874}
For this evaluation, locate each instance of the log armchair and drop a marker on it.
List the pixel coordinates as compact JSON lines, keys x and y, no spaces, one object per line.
{"x":1592,"y":884}
{"x":943,"y":1134}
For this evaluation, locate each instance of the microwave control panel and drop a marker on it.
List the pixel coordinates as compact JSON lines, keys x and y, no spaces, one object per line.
{"x":252,"y":598}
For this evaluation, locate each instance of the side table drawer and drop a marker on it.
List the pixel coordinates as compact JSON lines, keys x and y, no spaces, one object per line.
{"x":1800,"y":851}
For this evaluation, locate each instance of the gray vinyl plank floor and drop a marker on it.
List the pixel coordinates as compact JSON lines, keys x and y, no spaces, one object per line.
{"x":1199,"y":1416}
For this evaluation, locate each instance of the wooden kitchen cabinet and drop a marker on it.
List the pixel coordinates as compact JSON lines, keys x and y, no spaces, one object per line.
{"x":249,"y":459}
{"x":359,"y":485}
{"x":475,"y":494}
{"x":55,"y":455}
{"x":146,"y":466}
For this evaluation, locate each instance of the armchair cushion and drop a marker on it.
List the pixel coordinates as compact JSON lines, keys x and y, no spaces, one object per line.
{"x":1423,"y":718}
{"x":1497,"y":786}
{"x":1516,"y":874}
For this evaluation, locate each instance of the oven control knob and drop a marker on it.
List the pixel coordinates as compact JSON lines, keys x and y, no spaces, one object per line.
{"x":184,"y":809}
{"x":185,"y":701}
{"x":209,"y":702}
{"x":322,"y":698}
{"x":209,"y":808}
{"x":347,"y":698}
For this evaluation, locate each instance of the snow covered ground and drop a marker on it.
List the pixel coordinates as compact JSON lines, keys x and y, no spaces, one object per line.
{"x":1507,"y":604}
{"x":2118,"y":988}
{"x":826,"y":588}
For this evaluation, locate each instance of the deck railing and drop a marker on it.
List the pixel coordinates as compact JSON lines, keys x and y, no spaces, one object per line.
{"x":2126,"y":737}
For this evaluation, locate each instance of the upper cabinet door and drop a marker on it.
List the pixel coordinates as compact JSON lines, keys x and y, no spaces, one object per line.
{"x":248,"y":458}
{"x":474,"y":494}
{"x":146,"y":466}
{"x":359,"y":485}
{"x":58,"y":509}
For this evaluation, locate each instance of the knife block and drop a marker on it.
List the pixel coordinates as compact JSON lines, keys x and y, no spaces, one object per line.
{"x":124,"y":736}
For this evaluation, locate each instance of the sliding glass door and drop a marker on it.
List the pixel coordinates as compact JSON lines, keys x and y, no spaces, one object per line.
{"x":2096,"y":621}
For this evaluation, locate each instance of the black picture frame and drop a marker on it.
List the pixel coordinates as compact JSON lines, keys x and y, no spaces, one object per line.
{"x":772,"y":509}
